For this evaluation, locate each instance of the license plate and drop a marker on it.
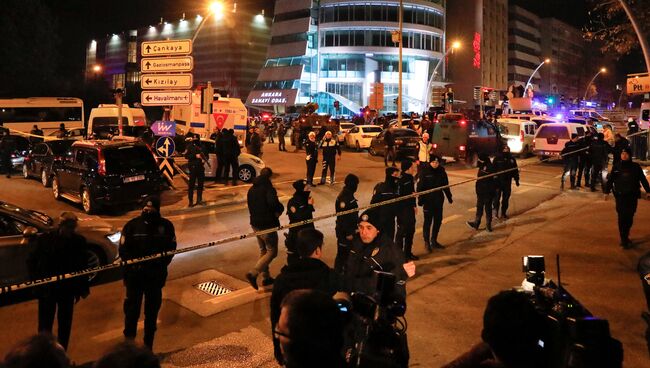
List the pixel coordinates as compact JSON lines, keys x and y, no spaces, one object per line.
{"x":131,"y":179}
{"x":410,"y":144}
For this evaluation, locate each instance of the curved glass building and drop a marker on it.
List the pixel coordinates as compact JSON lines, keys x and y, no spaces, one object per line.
{"x":336,"y":50}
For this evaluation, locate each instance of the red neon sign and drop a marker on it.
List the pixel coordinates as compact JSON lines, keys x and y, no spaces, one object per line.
{"x":476,"y":44}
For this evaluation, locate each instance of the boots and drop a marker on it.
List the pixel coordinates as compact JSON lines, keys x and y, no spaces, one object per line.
{"x":473,"y":224}
{"x":488,"y":226}
{"x":190,"y":197}
{"x":199,"y":197}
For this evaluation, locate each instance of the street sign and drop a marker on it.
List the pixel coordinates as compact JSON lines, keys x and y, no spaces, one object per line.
{"x":166,"y":98}
{"x":163,"y":128}
{"x":638,"y":85}
{"x":165,"y":147}
{"x":166,"y":168}
{"x":176,"y":64}
{"x":169,"y":47}
{"x":166,"y":81}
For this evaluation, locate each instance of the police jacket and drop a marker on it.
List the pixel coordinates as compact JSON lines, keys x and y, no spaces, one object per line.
{"x":598,"y":150}
{"x":7,"y":145}
{"x":218,"y":138}
{"x":385,"y":191}
{"x":330,"y":148}
{"x":299,"y":209}
{"x":488,"y":185}
{"x":406,"y":186}
{"x":346,"y":224}
{"x":54,"y":255}
{"x":141,"y":237}
{"x":626,"y":179}
{"x":311,"y":149}
{"x":230,"y":146}
{"x":584,"y":143}
{"x":281,"y":130}
{"x":380,"y":255}
{"x":570,"y":152}
{"x":433,"y":178}
{"x":191,"y":152}
{"x":503,"y":162}
{"x":632,"y":127}
{"x":255,"y":146}
{"x":263,"y":204}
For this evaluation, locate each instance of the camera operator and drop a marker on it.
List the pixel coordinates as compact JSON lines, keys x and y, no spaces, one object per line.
{"x":512,"y":329}
{"x":310,"y":330}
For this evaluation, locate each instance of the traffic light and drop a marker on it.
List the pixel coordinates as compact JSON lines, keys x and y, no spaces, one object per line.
{"x":450,"y":98}
{"x":550,"y":100}
{"x":396,"y":100}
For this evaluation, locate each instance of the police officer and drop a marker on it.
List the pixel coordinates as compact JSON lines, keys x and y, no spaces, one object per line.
{"x":598,"y":151}
{"x":143,"y":236}
{"x":311,"y":157}
{"x":331,"y":153}
{"x":389,"y":141}
{"x":424,"y":151}
{"x":62,"y":132}
{"x":218,"y":138}
{"x":195,"y":160}
{"x":299,"y":208}
{"x":36,"y":135}
{"x":584,"y":159}
{"x":55,"y":253}
{"x":282,"y":131}
{"x":485,"y":192}
{"x":570,"y":156}
{"x":231,"y":152}
{"x":505,"y":162}
{"x":625,"y":180}
{"x":346,"y":225}
{"x":433,"y":175}
{"x":7,"y":147}
{"x":407,"y":209}
{"x":255,"y":143}
{"x":384,"y":191}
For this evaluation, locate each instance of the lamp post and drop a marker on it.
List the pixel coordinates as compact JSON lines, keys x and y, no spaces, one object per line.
{"x":546,"y":61}
{"x":602,"y":70}
{"x":427,"y":98}
{"x":216,"y":9}
{"x":401,"y":40}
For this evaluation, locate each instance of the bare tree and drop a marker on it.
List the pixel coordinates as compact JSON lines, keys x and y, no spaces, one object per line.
{"x":609,"y":24}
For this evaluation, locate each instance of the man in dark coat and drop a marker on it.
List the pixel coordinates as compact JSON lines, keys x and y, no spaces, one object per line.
{"x":485,"y":192}
{"x":265,"y":210}
{"x":282,"y":131}
{"x":389,"y":141}
{"x":638,"y":142}
{"x":255,"y":144}
{"x":407,"y":209}
{"x":433,"y":176}
{"x":231,"y":152}
{"x":59,"y":252}
{"x":570,"y":156}
{"x":37,"y":135}
{"x":145,"y":235}
{"x":599,"y":153}
{"x":195,"y":159}
{"x":620,"y":143}
{"x":311,"y":157}
{"x":346,"y":225}
{"x":625,"y":180}
{"x":217,"y":137}
{"x":7,"y":147}
{"x":505,"y":162}
{"x":299,"y":208}
{"x":584,"y":159}
{"x":307,"y":272}
{"x":384,"y":191}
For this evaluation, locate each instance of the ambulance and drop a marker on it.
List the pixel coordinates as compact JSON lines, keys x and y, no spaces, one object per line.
{"x":229,"y":113}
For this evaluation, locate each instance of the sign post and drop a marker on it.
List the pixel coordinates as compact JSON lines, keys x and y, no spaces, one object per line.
{"x":164,"y":149}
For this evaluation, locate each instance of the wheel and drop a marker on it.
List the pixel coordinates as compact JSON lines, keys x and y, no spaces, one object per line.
{"x":25,"y":171}
{"x":246,"y":173}
{"x":93,"y":259}
{"x":87,"y":202}
{"x":357,"y":146}
{"x":56,"y":190}
{"x":46,"y":180}
{"x":525,"y":152}
{"x":371,"y":151}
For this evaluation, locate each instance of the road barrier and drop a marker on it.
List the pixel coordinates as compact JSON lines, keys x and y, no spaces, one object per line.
{"x":122,"y":263}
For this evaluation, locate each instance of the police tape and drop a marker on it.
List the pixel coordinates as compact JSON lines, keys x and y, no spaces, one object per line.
{"x":123,"y":263}
{"x":44,"y":137}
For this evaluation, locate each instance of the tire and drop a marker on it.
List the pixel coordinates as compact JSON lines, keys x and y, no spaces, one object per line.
{"x":94,"y":258}
{"x":246,"y":173}
{"x":358,"y":146}
{"x":25,"y":171}
{"x":525,"y":152}
{"x":372,"y":151}
{"x":56,"y":188}
{"x":46,"y":179}
{"x":87,"y":202}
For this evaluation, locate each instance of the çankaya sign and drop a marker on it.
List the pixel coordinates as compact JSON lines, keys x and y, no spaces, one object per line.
{"x":170,"y":47}
{"x":273,"y":97}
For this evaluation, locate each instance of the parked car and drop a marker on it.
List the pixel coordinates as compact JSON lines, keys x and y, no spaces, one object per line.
{"x":344,"y":128}
{"x":589,"y":113}
{"x":39,"y":161}
{"x":103,"y":173}
{"x":18,"y":227}
{"x":75,"y":134}
{"x":360,"y":136}
{"x":519,"y":135}
{"x":249,"y":166}
{"x":21,"y":150}
{"x":405,"y":122}
{"x":406,"y":143}
{"x":456,"y":138}
{"x":551,"y":138}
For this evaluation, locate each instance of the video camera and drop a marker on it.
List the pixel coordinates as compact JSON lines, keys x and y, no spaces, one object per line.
{"x":572,"y":336}
{"x":376,"y":329}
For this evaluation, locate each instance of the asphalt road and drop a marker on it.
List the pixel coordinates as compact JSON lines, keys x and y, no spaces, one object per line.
{"x":99,"y":318}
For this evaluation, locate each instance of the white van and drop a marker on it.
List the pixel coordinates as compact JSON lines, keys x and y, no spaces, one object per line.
{"x":520,"y":135}
{"x":589,"y":113}
{"x":644,"y":115}
{"x":550,"y":138}
{"x":103,"y":119}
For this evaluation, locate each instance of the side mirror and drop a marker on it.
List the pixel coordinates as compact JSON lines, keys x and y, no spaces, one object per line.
{"x":30,"y":232}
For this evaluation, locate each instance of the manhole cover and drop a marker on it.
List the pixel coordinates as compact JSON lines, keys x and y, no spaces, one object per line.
{"x":213,"y":288}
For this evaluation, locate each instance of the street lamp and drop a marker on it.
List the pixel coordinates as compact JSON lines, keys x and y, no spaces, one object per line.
{"x":602,"y":70}
{"x":454,"y":46}
{"x":97,"y":68}
{"x":215,"y":9}
{"x":546,"y":61}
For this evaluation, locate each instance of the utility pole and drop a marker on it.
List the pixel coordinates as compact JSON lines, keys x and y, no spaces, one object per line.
{"x":399,"y":87}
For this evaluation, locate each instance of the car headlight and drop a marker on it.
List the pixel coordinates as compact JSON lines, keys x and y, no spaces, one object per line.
{"x":114,"y":237}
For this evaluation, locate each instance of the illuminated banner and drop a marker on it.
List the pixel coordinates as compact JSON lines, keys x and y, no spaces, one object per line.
{"x":273,"y":97}
{"x":638,"y":85}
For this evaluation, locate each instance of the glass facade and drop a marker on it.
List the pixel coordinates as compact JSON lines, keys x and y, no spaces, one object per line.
{"x":379,"y":38}
{"x":381,"y":13}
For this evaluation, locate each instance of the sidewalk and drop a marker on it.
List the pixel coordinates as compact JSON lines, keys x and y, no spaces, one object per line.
{"x":448,"y":294}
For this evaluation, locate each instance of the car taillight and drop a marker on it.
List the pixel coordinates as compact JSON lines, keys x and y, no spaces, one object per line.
{"x":462,"y":122}
{"x":101,"y":167}
{"x":435,"y":145}
{"x":461,"y":148}
{"x":13,"y":155}
{"x":398,"y":142}
{"x":521,"y":136}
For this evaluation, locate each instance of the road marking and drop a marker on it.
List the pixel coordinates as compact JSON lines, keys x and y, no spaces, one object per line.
{"x":450,"y":218}
{"x":241,"y":206}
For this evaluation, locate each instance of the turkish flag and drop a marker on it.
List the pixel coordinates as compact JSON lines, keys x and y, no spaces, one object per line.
{"x":220,"y":119}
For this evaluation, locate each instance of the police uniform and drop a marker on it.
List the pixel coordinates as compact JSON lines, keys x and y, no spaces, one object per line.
{"x":197,"y":172}
{"x":485,"y":192}
{"x":432,"y":203}
{"x":143,"y":236}
{"x":504,"y":162}
{"x":311,"y":158}
{"x":384,"y":191}
{"x":570,"y":156}
{"x":330,"y":148}
{"x":406,"y":215}
{"x":298,"y":209}
{"x":346,"y":225}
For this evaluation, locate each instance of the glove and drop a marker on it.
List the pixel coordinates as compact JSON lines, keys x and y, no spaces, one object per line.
{"x":450,"y":200}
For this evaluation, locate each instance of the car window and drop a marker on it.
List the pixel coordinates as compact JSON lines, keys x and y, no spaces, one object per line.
{"x":10,"y":227}
{"x":580,"y":131}
{"x":558,"y":131}
{"x":80,"y":156}
{"x":354,"y":130}
{"x":372,"y":130}
{"x":645,"y":115}
{"x":127,"y":159}
{"x":509,"y":128}
{"x":530,"y":129}
{"x":60,"y":147}
{"x":578,"y":121}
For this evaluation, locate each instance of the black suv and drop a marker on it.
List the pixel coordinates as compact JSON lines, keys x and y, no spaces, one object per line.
{"x":457,"y":137}
{"x":102,"y":173}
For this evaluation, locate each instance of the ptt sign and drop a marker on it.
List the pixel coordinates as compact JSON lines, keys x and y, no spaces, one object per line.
{"x":638,"y":85}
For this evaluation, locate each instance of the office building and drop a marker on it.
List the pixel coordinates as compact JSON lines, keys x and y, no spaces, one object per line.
{"x":524,"y":47}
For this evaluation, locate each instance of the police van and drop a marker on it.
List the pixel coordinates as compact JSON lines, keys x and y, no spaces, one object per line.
{"x":103,"y":120}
